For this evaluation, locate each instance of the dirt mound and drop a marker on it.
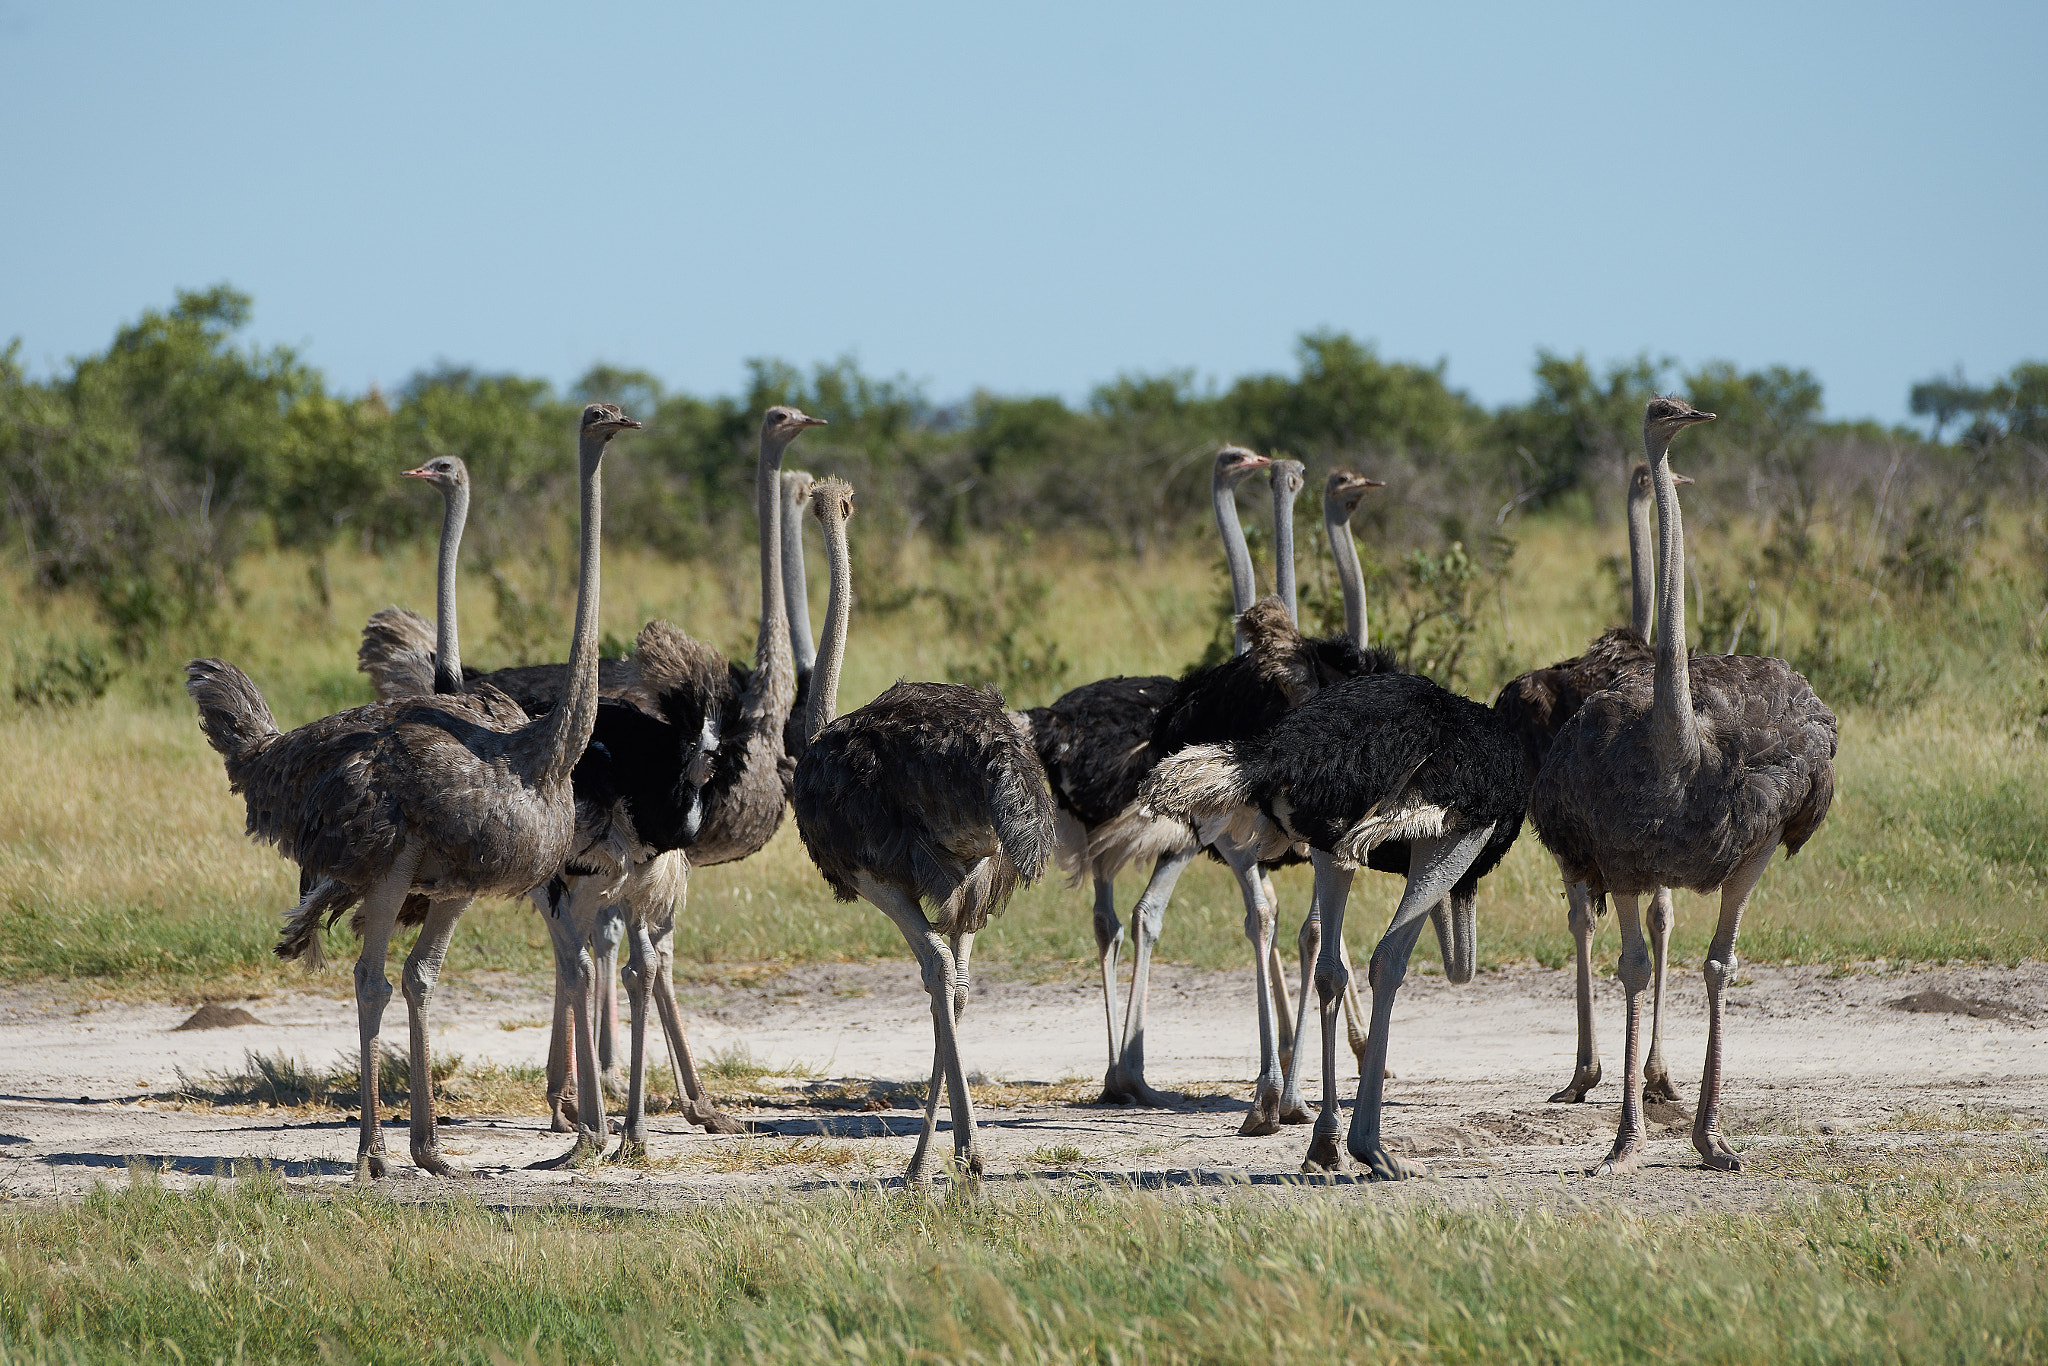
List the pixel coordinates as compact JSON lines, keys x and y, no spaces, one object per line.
{"x":214,"y":1015}
{"x":1941,"y":1003}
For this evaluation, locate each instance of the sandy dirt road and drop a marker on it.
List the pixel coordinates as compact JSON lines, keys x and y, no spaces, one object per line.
{"x":1816,"y":1056}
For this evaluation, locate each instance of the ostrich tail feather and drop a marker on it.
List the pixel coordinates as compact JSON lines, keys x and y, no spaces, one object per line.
{"x":397,"y":653}
{"x":232,"y":712}
{"x":320,"y":906}
{"x":1199,"y":781}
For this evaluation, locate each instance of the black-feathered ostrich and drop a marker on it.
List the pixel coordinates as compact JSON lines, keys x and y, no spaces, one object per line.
{"x":1093,"y":744}
{"x":1690,"y":775}
{"x":1536,"y":705}
{"x":930,"y":795}
{"x":690,"y":756}
{"x":448,"y":797}
{"x":1366,"y":763}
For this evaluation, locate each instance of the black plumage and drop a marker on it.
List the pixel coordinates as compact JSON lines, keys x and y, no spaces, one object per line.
{"x":1537,"y":704}
{"x":1093,"y":743}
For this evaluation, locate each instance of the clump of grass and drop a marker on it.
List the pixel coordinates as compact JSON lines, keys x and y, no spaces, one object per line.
{"x":1944,"y":1266}
{"x":736,"y":1066}
{"x":1958,"y":1119}
{"x":286,"y":1082}
{"x":745,"y":1155}
{"x":1063,"y":1155}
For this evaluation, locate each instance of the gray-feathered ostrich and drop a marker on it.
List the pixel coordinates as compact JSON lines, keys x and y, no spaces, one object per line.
{"x":1690,"y":775}
{"x":1536,"y":706}
{"x":1092,"y":743}
{"x":928,"y":796}
{"x":1364,"y":764}
{"x":445,"y":797}
{"x":688,"y":754}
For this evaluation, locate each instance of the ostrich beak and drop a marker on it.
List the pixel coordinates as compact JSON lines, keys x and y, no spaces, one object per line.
{"x":421,"y":473}
{"x":1678,"y":478}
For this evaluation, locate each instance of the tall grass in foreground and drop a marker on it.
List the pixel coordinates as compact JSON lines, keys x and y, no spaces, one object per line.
{"x":123,"y":869}
{"x":1944,"y":1267}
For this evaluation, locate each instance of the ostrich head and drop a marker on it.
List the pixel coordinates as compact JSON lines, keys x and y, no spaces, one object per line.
{"x":832,"y":500}
{"x":445,"y":472}
{"x":1290,"y":475}
{"x":1665,"y":418}
{"x":1234,"y":463}
{"x":782,"y":424}
{"x":607,"y":419}
{"x":1345,"y":488}
{"x":1639,"y":480}
{"x":796,"y":486}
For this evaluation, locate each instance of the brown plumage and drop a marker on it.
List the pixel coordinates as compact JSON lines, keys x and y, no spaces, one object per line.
{"x":1689,"y":776}
{"x":929,"y":803}
{"x":440,"y":796}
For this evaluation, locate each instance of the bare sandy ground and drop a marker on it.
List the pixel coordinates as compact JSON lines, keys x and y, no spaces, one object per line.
{"x":1816,"y":1057}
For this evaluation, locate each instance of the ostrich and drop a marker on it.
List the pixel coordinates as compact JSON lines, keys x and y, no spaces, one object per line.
{"x":1536,"y":706}
{"x":1366,"y":763}
{"x":1092,"y":743}
{"x":1690,"y":775}
{"x":691,"y":758}
{"x":449,"y":797}
{"x":928,"y":795}
{"x":796,"y":496}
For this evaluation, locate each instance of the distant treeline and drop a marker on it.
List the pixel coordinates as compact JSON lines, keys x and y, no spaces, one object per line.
{"x":147,"y":469}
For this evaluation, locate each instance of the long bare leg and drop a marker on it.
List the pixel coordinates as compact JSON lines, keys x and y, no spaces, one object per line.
{"x":1333,"y":889}
{"x":422,"y":972}
{"x":1147,"y":917}
{"x":1580,"y":917}
{"x":550,"y":900}
{"x":966,"y":1133}
{"x":1633,"y":970}
{"x":1264,"y":1117}
{"x":1433,"y":867}
{"x":373,"y":992}
{"x":1310,"y":942}
{"x":1720,"y":968}
{"x":1109,"y":938}
{"x":610,"y":929}
{"x":571,"y":923}
{"x":697,"y":1108}
{"x":640,"y":960}
{"x":935,"y":968}
{"x":1276,"y":972}
{"x":1656,"y":1076}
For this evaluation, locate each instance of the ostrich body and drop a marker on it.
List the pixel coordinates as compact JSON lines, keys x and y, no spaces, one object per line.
{"x":1690,"y":775}
{"x":930,"y":795}
{"x":1536,"y":705}
{"x":449,"y":797}
{"x":1094,"y":745}
{"x":1367,"y":764}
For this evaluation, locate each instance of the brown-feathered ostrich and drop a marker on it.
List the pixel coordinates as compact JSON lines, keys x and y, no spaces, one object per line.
{"x":1689,"y":775}
{"x":1092,"y":743}
{"x":444,"y":796}
{"x":930,"y":795}
{"x":1536,"y":706}
{"x":1366,"y":763}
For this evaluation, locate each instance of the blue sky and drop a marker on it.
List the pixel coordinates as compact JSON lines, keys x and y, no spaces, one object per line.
{"x":1036,"y":198}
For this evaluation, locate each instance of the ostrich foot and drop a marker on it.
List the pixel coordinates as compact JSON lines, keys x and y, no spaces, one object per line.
{"x":1657,"y":1086}
{"x":713,"y":1119}
{"x":1264,"y":1117}
{"x":1121,"y":1086}
{"x":632,"y":1152}
{"x":1714,"y":1150}
{"x":1296,"y":1113}
{"x":1583,"y":1080}
{"x":1623,"y":1158}
{"x":562,"y":1120}
{"x":1381,"y":1165}
{"x":589,"y":1151}
{"x":431,"y":1160}
{"x":371,"y":1167}
{"x":1323,"y":1152}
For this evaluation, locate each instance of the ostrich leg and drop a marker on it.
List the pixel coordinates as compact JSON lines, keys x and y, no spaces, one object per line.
{"x":936,"y":968}
{"x":966,"y":1151}
{"x":610,"y":930}
{"x":1656,"y":1076}
{"x":697,"y":1108}
{"x":373,"y":992}
{"x":640,"y":960}
{"x":1433,"y":867}
{"x":1356,"y":1022}
{"x":1633,"y":969}
{"x":1127,"y":1073}
{"x":422,"y":972}
{"x":1264,"y":1117}
{"x":1109,"y":938}
{"x":570,"y":917}
{"x":1581,"y":918}
{"x":1333,"y":975}
{"x":1276,"y":973}
{"x":1720,"y":967}
{"x":1310,"y":943}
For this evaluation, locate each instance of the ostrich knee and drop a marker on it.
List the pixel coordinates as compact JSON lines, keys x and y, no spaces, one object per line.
{"x":1109,"y":931}
{"x":373,"y":988}
{"x":420,"y":979}
{"x":1660,"y":916}
{"x":1633,"y":969}
{"x":1385,"y":972}
{"x":1718,"y":973}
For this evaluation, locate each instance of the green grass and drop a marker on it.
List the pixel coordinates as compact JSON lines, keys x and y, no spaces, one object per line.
{"x":1942,"y":1264}
{"x":124,"y":872}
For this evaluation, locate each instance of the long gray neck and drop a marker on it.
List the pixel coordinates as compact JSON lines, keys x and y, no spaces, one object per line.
{"x":1642,"y":565}
{"x":795,"y":589}
{"x":566,"y":729}
{"x":447,"y":646}
{"x":1236,"y":554}
{"x":824,"y":700}
{"x":1674,"y":730}
{"x":772,"y":691}
{"x":1345,"y":552}
{"x":1286,"y":488}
